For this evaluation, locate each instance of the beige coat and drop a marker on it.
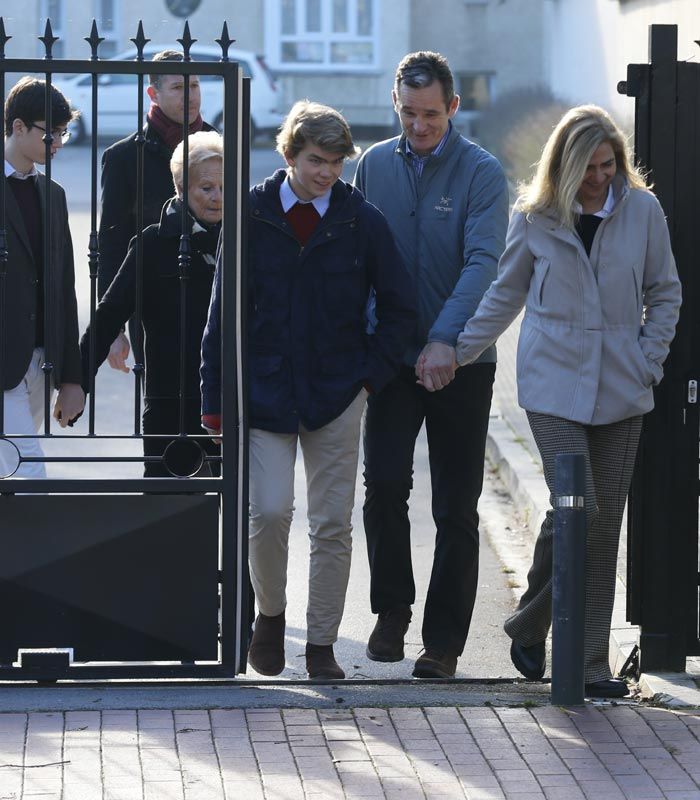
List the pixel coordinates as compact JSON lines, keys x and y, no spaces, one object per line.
{"x":596,"y":329}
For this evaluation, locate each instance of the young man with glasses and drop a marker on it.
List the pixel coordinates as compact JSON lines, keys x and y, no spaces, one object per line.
{"x":30,"y":282}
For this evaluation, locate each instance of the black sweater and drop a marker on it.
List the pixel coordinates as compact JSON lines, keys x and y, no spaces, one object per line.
{"x":161,"y":304}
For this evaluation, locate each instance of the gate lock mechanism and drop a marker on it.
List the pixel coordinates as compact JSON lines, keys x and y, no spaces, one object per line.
{"x":692,"y":391}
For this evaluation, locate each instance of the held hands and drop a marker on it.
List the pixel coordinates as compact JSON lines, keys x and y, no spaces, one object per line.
{"x":69,"y":404}
{"x":119,"y":352}
{"x":436,"y":366}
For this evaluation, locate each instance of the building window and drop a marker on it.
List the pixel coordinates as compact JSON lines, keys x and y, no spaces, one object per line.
{"x":307,"y":35}
{"x":475,"y":90}
{"x":53,"y":10}
{"x":104,"y":14}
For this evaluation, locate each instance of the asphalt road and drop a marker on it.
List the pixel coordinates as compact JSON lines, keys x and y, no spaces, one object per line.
{"x":486,"y":654}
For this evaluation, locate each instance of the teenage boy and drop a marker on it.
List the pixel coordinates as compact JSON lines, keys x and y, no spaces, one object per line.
{"x":317,"y":251}
{"x":23,"y":334}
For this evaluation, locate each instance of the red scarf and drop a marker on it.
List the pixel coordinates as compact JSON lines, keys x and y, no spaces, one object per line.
{"x":170,"y":132}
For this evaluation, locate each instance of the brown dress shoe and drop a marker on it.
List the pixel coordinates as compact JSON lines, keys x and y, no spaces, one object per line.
{"x":321,"y":663}
{"x":386,"y":640}
{"x":266,"y":651}
{"x":435,"y":664}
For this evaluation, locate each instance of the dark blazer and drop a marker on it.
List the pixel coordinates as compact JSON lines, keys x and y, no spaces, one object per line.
{"x":120,"y":197}
{"x":161,"y":304}
{"x":309,"y":347}
{"x":19,"y":315}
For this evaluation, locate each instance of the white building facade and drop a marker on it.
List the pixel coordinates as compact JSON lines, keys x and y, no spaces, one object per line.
{"x":341,"y":52}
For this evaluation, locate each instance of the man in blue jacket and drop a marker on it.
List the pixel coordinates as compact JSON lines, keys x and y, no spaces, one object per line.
{"x":316,"y":249}
{"x":446,"y":202}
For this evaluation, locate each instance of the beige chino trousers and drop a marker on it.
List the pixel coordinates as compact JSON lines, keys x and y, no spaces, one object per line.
{"x":330,"y":461}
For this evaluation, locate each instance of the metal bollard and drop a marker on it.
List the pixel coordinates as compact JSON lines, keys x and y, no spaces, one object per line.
{"x":568,"y":580}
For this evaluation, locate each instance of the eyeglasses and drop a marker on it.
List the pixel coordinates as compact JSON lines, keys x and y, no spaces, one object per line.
{"x":64,"y":133}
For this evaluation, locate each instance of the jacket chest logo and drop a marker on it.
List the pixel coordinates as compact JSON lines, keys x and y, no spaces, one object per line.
{"x":445,"y":205}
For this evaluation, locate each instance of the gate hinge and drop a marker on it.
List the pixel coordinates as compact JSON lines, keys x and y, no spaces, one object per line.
{"x":692,"y":391}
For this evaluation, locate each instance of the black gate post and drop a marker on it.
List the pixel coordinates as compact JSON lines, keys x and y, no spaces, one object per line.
{"x":662,"y":587}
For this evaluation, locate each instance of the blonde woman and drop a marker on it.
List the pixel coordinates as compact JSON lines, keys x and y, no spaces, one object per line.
{"x":588,"y":255}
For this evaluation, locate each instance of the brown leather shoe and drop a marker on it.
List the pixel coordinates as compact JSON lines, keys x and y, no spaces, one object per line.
{"x":386,"y":640}
{"x":435,"y":664}
{"x":266,"y":651}
{"x":321,"y":663}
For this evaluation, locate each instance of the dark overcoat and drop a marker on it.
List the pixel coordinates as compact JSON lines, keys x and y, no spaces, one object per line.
{"x":120,"y":196}
{"x":310,"y":349}
{"x":161,"y":306}
{"x":18,"y":317}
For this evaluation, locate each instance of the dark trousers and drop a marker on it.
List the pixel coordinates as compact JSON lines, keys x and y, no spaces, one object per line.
{"x":161,"y":416}
{"x":456,"y":421}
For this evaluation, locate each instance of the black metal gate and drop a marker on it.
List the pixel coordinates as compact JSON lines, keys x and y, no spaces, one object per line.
{"x":131,"y":577}
{"x":663,"y":578}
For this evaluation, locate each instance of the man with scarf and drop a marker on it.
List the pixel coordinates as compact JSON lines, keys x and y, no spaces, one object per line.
{"x":162,"y":133}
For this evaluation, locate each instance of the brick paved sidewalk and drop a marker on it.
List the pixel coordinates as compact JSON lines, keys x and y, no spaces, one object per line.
{"x":600,"y":752}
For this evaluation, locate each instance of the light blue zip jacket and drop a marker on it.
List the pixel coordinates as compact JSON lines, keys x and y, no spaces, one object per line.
{"x":596,"y":329}
{"x":449,"y":226}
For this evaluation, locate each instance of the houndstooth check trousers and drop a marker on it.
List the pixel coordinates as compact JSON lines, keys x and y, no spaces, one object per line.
{"x":610,"y":452}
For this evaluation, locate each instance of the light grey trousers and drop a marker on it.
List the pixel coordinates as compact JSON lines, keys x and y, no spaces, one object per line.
{"x":610,"y":452}
{"x":330,"y":461}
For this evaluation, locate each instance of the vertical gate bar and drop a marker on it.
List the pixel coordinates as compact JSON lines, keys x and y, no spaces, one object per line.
{"x":656,"y":501}
{"x":47,"y":366}
{"x":663,"y":47}
{"x":138,"y":300}
{"x":658,"y":474}
{"x":3,"y":232}
{"x":93,"y":247}
{"x":637,"y":85}
{"x":184,"y":249}
{"x":693,"y":410}
{"x":232,"y":511}
{"x":683,"y":364}
{"x":242,"y":328}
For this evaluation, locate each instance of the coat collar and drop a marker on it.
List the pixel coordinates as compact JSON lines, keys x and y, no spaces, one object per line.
{"x":549,"y":222}
{"x":171,"y":222}
{"x":265,"y":199}
{"x":453,"y":136}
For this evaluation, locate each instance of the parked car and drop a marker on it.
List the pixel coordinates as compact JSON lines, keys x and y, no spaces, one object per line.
{"x":117,"y":94}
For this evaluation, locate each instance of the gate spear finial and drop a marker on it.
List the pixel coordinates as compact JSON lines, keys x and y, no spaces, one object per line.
{"x":224,"y":42}
{"x":187,"y":41}
{"x":94,"y":40}
{"x":140,"y":41}
{"x":48,"y":39}
{"x":4,"y":38}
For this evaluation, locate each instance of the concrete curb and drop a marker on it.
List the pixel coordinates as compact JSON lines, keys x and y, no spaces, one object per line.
{"x":522,"y":476}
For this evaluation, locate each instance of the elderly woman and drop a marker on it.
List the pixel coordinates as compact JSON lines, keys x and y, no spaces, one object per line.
{"x":161,"y":301}
{"x":588,"y":255}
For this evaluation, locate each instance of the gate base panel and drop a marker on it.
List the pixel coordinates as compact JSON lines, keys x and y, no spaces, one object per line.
{"x":107,"y":578}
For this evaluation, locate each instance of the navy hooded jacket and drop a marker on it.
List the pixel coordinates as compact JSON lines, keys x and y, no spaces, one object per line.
{"x":309,"y":350}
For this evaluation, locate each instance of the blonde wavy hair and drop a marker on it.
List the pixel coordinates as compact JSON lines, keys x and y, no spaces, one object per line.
{"x":565,"y":158}
{"x":316,"y":124}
